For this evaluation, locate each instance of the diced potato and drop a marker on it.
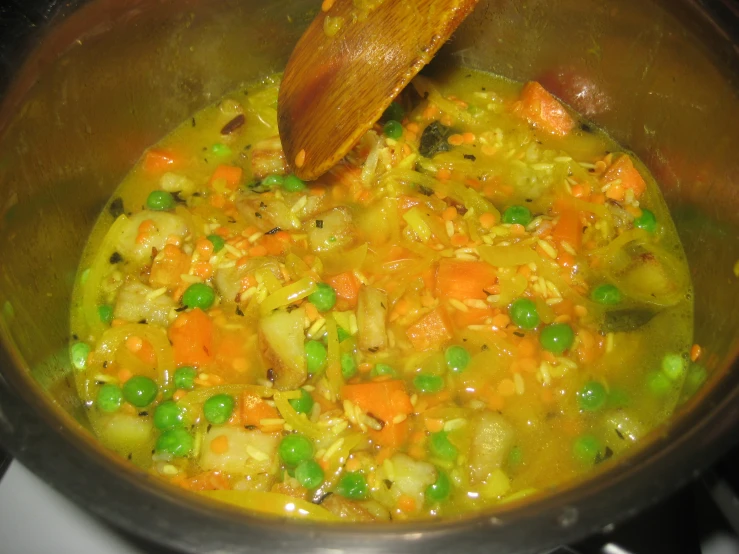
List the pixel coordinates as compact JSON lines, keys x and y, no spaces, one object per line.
{"x":492,"y":440}
{"x":282,"y":337}
{"x":267,"y":158}
{"x":228,"y":280}
{"x":371,"y":318}
{"x":172,"y":182}
{"x":248,"y":453}
{"x":125,"y":433}
{"x":272,"y":213}
{"x":408,"y":476}
{"x":134,"y":304}
{"x":165,"y":225}
{"x":411,"y":476}
{"x":496,"y":485}
{"x":380,"y":222}
{"x":335,"y":230}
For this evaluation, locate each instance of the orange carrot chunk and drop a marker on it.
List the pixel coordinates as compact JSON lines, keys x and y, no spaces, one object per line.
{"x":568,"y":229}
{"x":386,"y":401}
{"x":158,"y":160}
{"x":191,"y":336}
{"x":431,"y":331}
{"x":623,"y":170}
{"x":167,"y":267}
{"x":347,"y":288}
{"x":462,"y":280}
{"x":543,"y":110}
{"x":228,"y":173}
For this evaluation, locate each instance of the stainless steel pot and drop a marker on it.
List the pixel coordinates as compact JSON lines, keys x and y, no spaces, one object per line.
{"x":106,"y":78}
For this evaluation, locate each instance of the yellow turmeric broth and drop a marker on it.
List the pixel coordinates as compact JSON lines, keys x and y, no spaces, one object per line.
{"x":485,"y":299}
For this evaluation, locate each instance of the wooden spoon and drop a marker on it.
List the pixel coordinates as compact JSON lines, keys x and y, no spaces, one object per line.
{"x":354,"y":58}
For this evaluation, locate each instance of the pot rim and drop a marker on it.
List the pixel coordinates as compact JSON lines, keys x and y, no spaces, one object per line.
{"x":39,"y":435}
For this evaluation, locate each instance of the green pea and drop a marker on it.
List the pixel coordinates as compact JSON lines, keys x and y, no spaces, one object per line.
{"x":218,"y":408}
{"x":109,"y":398}
{"x":524,"y":313}
{"x":304,"y":404}
{"x":348,"y":365}
{"x":673,"y":365}
{"x":586,"y":449}
{"x":199,"y":295}
{"x":294,"y":449}
{"x":140,"y":391}
{"x":168,"y":415}
{"x":457,"y":358}
{"x":293,"y":183}
{"x":105,"y":313}
{"x":658,"y":383}
{"x":517,"y":215}
{"x":606,"y":294}
{"x":393,"y":129}
{"x":160,"y":200}
{"x":440,"y":489}
{"x":217,"y":241}
{"x":592,"y":396}
{"x":382,"y":369}
{"x":184,"y":378}
{"x":79,"y":352}
{"x":323,"y":298}
{"x":475,"y":111}
{"x":557,"y":338}
{"x":353,"y":486}
{"x":646,"y":221}
{"x":695,"y":378}
{"x":428,"y":383}
{"x":273,"y":180}
{"x":168,"y":391}
{"x":309,"y":474}
{"x":618,"y":398}
{"x":343,"y":334}
{"x":440,"y":447}
{"x":316,"y":356}
{"x":221,"y":150}
{"x":515,"y":457}
{"x":394,"y":111}
{"x":176,"y":442}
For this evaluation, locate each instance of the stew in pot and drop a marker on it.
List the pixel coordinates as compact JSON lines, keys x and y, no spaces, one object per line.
{"x":485,"y":299}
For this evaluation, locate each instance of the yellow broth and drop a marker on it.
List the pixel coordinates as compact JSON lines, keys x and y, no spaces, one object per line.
{"x":419,"y":384}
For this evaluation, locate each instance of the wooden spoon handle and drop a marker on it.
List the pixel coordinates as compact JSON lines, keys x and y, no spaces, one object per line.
{"x":347,"y":68}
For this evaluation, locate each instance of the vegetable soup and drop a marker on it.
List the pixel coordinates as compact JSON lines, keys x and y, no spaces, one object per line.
{"x":484,"y":300}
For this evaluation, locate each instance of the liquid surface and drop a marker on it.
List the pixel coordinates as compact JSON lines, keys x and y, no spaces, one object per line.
{"x":486,"y":299}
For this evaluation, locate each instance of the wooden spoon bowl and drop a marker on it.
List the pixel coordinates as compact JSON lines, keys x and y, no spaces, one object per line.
{"x":352,"y":61}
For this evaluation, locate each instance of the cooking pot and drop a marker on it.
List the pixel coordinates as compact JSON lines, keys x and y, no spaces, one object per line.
{"x":89,"y":85}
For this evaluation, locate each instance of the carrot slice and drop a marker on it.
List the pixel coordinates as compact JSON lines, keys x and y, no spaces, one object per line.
{"x":431,"y":331}
{"x":167,"y":267}
{"x":191,"y":335}
{"x":543,"y":110}
{"x":158,"y":160}
{"x":386,"y":401}
{"x":623,"y":170}
{"x":464,"y":280}
{"x":229,"y":173}
{"x":347,"y":288}
{"x":568,"y":229}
